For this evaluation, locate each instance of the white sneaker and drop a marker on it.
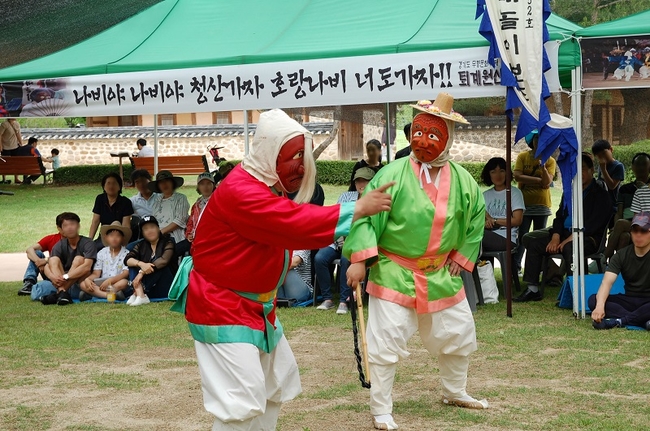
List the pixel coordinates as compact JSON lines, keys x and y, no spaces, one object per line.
{"x":131,"y":299}
{"x":384,"y":422}
{"x":343,"y":308}
{"x":326,"y":305}
{"x":140,"y":300}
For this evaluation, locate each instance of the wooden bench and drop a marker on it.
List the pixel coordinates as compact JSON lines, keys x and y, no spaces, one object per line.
{"x":177,"y":165}
{"x":24,"y":165}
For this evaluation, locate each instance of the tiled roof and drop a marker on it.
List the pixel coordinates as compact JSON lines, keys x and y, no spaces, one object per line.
{"x":216,"y":130}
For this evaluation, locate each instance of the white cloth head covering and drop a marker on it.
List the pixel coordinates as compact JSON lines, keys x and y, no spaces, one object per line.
{"x":274,"y":129}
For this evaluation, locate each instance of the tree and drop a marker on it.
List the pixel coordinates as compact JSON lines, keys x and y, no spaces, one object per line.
{"x":637,"y":114}
{"x":333,"y":134}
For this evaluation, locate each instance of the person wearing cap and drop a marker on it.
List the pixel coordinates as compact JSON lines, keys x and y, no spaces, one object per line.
{"x":205,"y":185}
{"x":140,"y":178}
{"x":150,"y":263}
{"x":170,"y":208}
{"x":416,"y":253}
{"x":241,"y":254}
{"x":109,"y":268}
{"x":558,"y":239}
{"x":325,"y":256}
{"x":534,"y":180}
{"x":631,"y":308}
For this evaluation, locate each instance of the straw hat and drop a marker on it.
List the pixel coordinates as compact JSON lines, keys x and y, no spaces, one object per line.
{"x":116,"y":225}
{"x":441,"y":107}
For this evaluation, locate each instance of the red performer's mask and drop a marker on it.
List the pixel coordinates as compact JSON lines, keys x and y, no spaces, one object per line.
{"x":290,"y":167}
{"x":429,"y":135}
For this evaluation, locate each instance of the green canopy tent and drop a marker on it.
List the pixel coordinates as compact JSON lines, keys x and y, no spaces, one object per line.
{"x":186,"y":34}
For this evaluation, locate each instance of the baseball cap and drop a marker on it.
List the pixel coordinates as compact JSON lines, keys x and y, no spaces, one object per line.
{"x":365,"y":173}
{"x":642,"y":220}
{"x":147,"y":219}
{"x":205,"y":176}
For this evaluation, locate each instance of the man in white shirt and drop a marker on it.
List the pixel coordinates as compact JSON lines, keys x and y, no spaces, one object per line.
{"x":144,"y":150}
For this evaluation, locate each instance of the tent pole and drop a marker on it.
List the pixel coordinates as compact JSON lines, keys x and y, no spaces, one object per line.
{"x":246,"y":144}
{"x":155,"y":144}
{"x":388,"y":133}
{"x":578,"y":225}
{"x":507,"y":271}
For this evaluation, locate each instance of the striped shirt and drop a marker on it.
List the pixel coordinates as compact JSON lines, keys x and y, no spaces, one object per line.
{"x":174,"y":209}
{"x":304,"y":269}
{"x":345,"y":197}
{"x":641,"y":200}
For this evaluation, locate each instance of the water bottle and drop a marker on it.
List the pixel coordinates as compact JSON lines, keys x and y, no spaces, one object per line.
{"x":110,"y":294}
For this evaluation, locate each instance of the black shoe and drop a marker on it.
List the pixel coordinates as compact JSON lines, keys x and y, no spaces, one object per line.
{"x":647,"y":325}
{"x":607,"y":324}
{"x":528,"y":296}
{"x":50,"y":299}
{"x":27,"y":288}
{"x":83,"y":296}
{"x":64,"y":298}
{"x":119,"y":296}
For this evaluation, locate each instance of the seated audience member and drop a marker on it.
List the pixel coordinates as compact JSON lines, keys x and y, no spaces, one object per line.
{"x":610,"y":171}
{"x":534,"y":179}
{"x":406,"y":151}
{"x":632,"y":262}
{"x":109,"y":268}
{"x":171,"y":208}
{"x":558,"y":240}
{"x":297,"y":284}
{"x":204,"y":187}
{"x":110,"y":206}
{"x":373,"y":161}
{"x":141,"y":201}
{"x":494,"y":238}
{"x":143,"y":149}
{"x":325,"y":256}
{"x":70,"y":262}
{"x":29,"y":150}
{"x":37,"y":259}
{"x":620,"y":236}
{"x":150,"y":263}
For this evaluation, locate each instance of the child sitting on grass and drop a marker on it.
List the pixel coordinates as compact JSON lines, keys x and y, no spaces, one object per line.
{"x":109,"y":268}
{"x":149,"y":263}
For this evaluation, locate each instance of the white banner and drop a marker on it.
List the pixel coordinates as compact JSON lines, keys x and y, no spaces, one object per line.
{"x":404,"y":77}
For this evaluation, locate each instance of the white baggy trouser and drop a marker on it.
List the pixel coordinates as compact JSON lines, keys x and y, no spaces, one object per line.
{"x":244,"y":386}
{"x":449,"y":334}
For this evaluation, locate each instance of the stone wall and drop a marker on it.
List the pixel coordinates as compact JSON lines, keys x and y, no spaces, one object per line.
{"x":484,"y":139}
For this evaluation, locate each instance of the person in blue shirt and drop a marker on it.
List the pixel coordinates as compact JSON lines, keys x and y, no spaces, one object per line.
{"x":611,"y":172}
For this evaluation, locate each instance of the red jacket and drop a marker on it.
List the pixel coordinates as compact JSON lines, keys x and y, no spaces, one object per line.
{"x":241,"y":244}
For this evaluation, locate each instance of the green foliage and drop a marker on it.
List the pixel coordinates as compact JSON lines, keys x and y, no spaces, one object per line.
{"x":42,"y":123}
{"x":478,"y":106}
{"x":475,"y":169}
{"x":335,"y":172}
{"x":88,"y":174}
{"x":587,"y":13}
{"x":625,"y":153}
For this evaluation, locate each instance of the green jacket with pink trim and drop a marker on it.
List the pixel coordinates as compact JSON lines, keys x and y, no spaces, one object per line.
{"x":408,"y":247}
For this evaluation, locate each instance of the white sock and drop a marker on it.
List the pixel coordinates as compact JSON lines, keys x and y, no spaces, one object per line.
{"x":533,"y":288}
{"x":383,"y":419}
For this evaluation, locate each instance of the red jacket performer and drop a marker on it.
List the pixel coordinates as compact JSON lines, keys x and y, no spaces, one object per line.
{"x":241,"y":254}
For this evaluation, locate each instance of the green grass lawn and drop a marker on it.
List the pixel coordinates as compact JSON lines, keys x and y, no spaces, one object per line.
{"x":96,"y":366}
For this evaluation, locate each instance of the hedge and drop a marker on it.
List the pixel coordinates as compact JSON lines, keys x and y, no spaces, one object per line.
{"x":87,"y":174}
{"x":334,"y":172}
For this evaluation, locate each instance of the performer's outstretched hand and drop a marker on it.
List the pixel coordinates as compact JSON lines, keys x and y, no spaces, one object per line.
{"x":373,"y":202}
{"x":356,"y":273}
